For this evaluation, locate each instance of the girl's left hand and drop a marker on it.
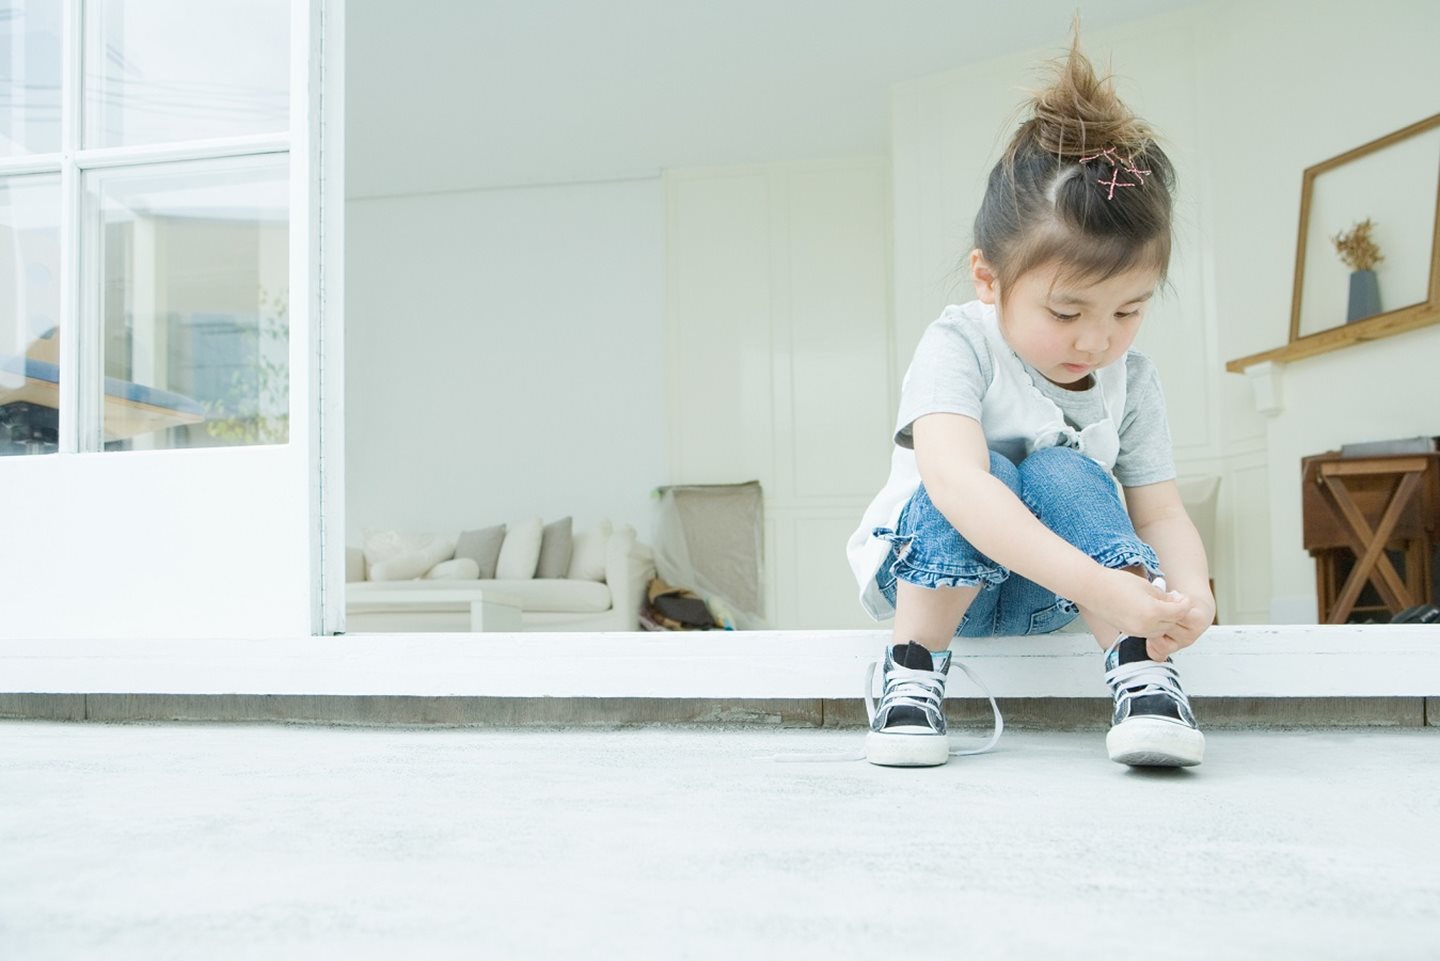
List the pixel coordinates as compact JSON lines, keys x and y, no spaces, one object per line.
{"x":1200,"y":616}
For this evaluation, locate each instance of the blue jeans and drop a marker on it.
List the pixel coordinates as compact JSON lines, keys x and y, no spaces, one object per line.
{"x":1070,"y":494}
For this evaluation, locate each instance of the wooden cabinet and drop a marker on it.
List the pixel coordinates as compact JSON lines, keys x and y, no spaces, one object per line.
{"x":1362,"y":517}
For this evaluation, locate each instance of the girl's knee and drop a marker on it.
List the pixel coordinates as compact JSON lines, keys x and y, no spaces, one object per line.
{"x":1056,"y":481}
{"x":1060,"y":467}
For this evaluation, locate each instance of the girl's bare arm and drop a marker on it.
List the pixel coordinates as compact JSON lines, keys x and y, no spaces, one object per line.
{"x":1160,"y":520}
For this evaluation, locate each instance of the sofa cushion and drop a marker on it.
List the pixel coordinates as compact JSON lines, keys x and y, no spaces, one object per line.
{"x":455,"y":569}
{"x":587,"y":561}
{"x":556,"y":545}
{"x":520,"y":554}
{"x":401,"y":555}
{"x":483,"y":547}
{"x":354,"y":564}
{"x":556,"y":595}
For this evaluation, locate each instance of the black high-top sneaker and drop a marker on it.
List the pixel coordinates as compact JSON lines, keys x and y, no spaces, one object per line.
{"x":907,"y":729}
{"x":1153,"y":725}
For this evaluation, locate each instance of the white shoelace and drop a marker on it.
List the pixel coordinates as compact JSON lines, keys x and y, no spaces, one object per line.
{"x":1139,"y":678}
{"x":911,"y":688}
{"x":924,"y":690}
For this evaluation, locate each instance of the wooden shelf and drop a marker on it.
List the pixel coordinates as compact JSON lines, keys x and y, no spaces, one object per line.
{"x":1372,"y":328}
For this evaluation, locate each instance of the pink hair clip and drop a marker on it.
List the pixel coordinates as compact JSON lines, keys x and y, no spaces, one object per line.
{"x":1110,"y":154}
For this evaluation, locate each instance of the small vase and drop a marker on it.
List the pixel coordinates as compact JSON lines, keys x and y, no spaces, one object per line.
{"x":1364,"y":296}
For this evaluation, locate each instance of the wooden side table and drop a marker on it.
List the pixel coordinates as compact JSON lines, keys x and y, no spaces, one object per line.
{"x":1365,"y":507}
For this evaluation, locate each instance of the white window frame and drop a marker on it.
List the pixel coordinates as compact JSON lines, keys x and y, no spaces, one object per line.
{"x":81,"y":394}
{"x":314,"y":143}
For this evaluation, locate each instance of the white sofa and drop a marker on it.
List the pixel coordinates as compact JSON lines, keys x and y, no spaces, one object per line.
{"x":546,"y":604}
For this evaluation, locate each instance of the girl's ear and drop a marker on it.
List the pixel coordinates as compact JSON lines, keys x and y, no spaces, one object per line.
{"x":987,"y":288}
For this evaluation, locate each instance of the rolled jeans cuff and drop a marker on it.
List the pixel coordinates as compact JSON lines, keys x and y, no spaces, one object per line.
{"x":930,"y":573}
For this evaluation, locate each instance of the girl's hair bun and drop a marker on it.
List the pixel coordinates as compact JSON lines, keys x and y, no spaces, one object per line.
{"x":1080,"y":114}
{"x":1083,"y":185}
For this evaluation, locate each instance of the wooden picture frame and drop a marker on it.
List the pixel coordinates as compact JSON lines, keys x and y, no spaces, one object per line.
{"x":1408,"y":316}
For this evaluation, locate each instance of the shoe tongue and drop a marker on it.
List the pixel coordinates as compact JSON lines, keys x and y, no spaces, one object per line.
{"x":917,"y":657}
{"x":1130,"y":649}
{"x":1126,"y":651}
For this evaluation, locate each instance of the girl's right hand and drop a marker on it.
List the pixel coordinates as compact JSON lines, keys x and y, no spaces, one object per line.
{"x":1134,"y":606}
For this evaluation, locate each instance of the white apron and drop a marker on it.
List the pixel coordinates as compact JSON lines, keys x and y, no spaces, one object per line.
{"x":1017,"y":419}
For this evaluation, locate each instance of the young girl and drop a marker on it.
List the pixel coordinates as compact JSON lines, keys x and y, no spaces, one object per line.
{"x":1018,"y":416}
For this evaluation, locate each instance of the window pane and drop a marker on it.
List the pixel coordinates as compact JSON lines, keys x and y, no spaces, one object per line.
{"x":164,"y":70}
{"x":194,"y":261}
{"x":29,"y":76}
{"x":29,"y":314}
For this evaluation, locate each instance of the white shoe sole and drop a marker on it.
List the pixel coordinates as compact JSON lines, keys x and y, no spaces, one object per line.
{"x":1155,"y":742}
{"x":923,"y":748}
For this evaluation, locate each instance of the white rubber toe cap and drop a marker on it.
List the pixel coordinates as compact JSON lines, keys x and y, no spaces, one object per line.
{"x":921,"y":747}
{"x":1155,"y":742}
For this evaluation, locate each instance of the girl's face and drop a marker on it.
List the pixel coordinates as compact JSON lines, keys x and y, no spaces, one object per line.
{"x":1065,"y":332}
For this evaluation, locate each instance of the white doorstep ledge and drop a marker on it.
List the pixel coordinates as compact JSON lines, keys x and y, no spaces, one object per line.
{"x":1271,"y":661}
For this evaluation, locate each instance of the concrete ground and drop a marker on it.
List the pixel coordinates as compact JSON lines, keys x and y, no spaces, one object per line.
{"x":256,"y":841}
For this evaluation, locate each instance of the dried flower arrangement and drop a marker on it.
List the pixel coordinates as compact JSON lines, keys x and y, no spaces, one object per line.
{"x":1357,"y":248}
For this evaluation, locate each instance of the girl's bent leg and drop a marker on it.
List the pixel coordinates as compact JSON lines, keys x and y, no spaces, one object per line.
{"x":930,"y":615}
{"x":1077,"y":499}
{"x":935,"y":573}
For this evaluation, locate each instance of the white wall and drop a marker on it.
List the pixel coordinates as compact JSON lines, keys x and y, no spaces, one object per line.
{"x":1245,"y":101}
{"x":505,"y":356}
{"x":780,"y":351}
{"x":1351,"y":75}
{"x":199,"y":544}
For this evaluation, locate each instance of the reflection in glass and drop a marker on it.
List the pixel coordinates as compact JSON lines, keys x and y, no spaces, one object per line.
{"x":194,"y":300}
{"x":29,"y":76}
{"x":29,"y":314}
{"x":165,"y":70}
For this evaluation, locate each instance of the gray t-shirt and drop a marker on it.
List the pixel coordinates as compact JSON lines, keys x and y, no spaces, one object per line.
{"x":953,"y":369}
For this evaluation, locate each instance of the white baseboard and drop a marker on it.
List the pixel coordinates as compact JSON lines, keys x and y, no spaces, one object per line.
{"x":1269,"y":661}
{"x":1296,"y":607}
